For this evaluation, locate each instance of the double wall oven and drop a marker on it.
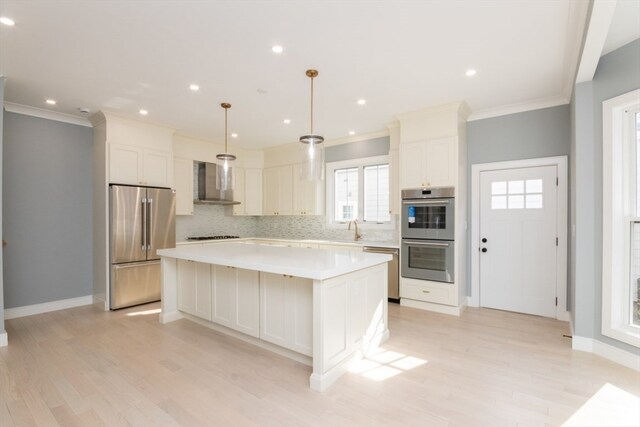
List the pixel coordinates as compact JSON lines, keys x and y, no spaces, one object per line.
{"x":428,"y":246}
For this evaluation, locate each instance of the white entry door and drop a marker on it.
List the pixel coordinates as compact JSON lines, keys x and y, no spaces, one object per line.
{"x":518,"y":240}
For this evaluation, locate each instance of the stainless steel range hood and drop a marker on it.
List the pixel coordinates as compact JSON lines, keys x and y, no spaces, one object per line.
{"x":208,"y":193}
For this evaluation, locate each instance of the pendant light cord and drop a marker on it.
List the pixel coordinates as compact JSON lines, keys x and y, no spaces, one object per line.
{"x":311,"y":105}
{"x":225,"y":131}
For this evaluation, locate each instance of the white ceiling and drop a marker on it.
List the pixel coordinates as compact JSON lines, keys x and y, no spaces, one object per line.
{"x":400,"y":56}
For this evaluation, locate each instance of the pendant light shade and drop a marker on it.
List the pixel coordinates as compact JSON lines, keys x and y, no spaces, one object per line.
{"x":312,"y":147}
{"x":225,"y":173}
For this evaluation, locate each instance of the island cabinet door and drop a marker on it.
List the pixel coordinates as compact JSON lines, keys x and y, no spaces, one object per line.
{"x":194,"y":288}
{"x":286,"y":312}
{"x":222,"y":295}
{"x":235,"y":299}
{"x":247,"y":302}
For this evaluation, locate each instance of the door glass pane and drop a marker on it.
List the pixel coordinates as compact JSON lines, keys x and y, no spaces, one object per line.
{"x":429,"y":217}
{"x":516,"y":202}
{"x":534,"y":186}
{"x":534,"y":201}
{"x":427,"y":258}
{"x":499,"y":187}
{"x":376,"y":193}
{"x":516,"y":187}
{"x":346,"y":194}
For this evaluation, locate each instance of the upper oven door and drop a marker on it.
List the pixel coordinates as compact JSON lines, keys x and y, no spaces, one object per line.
{"x":428,"y":219}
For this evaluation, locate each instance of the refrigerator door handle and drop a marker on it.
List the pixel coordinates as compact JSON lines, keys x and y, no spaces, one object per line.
{"x":149,"y":222}
{"x":144,"y":225}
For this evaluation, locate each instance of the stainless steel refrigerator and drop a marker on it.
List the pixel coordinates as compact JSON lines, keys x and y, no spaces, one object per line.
{"x":142,"y":220}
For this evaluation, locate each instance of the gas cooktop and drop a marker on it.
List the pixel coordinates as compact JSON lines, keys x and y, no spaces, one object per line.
{"x":212,"y":237}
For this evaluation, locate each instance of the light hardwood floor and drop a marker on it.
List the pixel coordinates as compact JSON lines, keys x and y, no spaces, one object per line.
{"x":85,"y":367}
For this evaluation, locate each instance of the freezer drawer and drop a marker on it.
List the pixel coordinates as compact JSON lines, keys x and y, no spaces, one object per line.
{"x":134,"y":283}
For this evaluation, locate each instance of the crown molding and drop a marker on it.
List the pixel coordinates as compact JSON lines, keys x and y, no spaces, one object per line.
{"x":46,"y":114}
{"x":520,"y":107}
{"x":458,"y":105}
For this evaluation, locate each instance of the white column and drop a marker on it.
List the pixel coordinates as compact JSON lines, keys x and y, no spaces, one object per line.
{"x":169,"y":289}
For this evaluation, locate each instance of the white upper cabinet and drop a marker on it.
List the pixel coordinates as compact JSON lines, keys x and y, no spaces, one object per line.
{"x":308,"y":196}
{"x":278,"y":190}
{"x":428,"y":163}
{"x":139,"y":166}
{"x":239,"y":192}
{"x":247,"y":191}
{"x":183,"y":184}
{"x":253,"y":191}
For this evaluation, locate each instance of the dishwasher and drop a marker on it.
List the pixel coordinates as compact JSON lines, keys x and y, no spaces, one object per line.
{"x":392,"y":266}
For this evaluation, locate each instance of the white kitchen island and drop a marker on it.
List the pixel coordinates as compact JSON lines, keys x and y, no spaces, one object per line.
{"x":321,"y":307}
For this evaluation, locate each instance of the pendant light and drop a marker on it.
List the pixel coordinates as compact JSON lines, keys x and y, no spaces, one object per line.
{"x":312,"y":149}
{"x":225,"y":174}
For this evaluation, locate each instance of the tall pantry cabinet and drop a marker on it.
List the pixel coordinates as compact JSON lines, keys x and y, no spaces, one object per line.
{"x":433,"y":153}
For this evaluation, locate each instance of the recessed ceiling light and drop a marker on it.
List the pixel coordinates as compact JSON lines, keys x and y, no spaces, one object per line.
{"x":7,"y":21}
{"x":277,"y":49}
{"x":234,"y":135}
{"x":194,"y":88}
{"x":143,"y":112}
{"x":51,"y":101}
{"x":362,"y":101}
{"x":286,"y":121}
{"x":351,"y":132}
{"x":470,"y":73}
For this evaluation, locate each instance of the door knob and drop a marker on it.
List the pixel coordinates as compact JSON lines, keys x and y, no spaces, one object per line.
{"x":484,"y":249}
{"x":484,"y":240}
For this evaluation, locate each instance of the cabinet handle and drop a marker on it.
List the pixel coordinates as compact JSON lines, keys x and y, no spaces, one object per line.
{"x":426,"y":292}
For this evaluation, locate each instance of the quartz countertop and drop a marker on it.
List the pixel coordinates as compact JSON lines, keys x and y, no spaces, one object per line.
{"x":371,"y":243}
{"x":317,"y":264}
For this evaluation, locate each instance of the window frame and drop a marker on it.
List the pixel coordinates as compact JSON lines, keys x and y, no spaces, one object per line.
{"x":330,"y":192}
{"x":619,"y":212}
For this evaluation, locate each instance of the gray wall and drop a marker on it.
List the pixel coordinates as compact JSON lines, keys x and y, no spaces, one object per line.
{"x":2,"y":81}
{"x":47,"y":212}
{"x":528,"y":135}
{"x":618,"y":72}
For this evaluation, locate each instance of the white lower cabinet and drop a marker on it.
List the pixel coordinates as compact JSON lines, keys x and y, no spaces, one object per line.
{"x":286,"y":312}
{"x":273,"y":307}
{"x":194,"y":288}
{"x":428,"y":291}
{"x":235,"y":299}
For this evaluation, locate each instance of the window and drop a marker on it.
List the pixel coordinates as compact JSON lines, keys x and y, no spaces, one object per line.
{"x":621,"y":218}
{"x":520,"y":195}
{"x":358,"y":190}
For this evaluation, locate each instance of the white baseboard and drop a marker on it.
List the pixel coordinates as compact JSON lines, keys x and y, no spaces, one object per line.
{"x":607,"y":351}
{"x":29,"y":310}
{"x":471,"y":302}
{"x":4,"y":339}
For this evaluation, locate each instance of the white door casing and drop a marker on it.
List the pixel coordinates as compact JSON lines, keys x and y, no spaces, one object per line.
{"x":518,"y":243}
{"x":561,"y":163}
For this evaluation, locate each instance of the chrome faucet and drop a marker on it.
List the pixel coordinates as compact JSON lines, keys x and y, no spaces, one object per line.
{"x":357,"y":235}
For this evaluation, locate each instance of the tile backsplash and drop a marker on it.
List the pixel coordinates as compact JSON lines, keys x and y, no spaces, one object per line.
{"x":219,"y":220}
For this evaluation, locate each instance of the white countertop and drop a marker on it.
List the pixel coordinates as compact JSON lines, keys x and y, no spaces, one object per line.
{"x":371,"y":243}
{"x":317,"y":264}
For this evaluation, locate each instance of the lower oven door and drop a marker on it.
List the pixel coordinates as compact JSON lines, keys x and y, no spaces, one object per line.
{"x":428,"y":260}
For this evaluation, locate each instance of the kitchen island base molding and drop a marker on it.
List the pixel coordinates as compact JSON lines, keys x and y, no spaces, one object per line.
{"x":346,"y":318}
